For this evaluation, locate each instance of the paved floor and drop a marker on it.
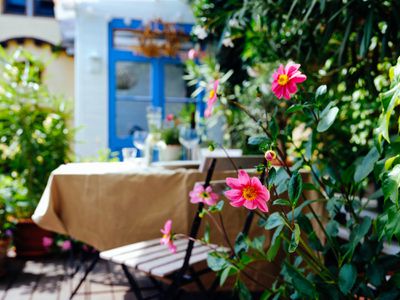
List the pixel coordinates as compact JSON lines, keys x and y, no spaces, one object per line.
{"x":48,"y":279}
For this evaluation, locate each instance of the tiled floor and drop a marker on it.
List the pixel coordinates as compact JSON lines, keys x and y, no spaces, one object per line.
{"x":48,"y":279}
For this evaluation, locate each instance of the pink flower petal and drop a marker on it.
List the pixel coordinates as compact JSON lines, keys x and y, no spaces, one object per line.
{"x":262,"y":205}
{"x":238,"y":203}
{"x":250,"y":204}
{"x":291,"y":68}
{"x":298,"y":78}
{"x":292,"y":88}
{"x":233,"y":183}
{"x":286,"y":94}
{"x":233,"y":195}
{"x":243,"y":177}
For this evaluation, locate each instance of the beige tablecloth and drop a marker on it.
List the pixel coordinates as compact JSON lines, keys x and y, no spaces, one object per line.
{"x":112,"y":204}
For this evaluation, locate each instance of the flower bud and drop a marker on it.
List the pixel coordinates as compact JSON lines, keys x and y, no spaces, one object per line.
{"x":270,"y":155}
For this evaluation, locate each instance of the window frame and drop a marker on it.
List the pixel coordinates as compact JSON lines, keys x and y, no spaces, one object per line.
{"x":157,"y":77}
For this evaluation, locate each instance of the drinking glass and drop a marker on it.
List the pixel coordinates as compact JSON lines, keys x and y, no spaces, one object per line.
{"x":189,"y":138}
{"x":139,"y":140}
{"x":129,"y":154}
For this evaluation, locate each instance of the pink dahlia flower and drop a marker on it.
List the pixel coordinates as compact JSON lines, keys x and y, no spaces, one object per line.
{"x":247,"y":192}
{"x":286,"y":80}
{"x":201,"y":194}
{"x":212,"y":98}
{"x":170,"y":117}
{"x":47,"y":242}
{"x":167,"y":236}
{"x":66,"y":245}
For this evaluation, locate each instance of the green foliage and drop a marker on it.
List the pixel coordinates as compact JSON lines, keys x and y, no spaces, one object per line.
{"x":11,"y":190}
{"x":342,"y":128}
{"x":347,"y":278}
{"x":34,"y":127}
{"x":170,"y":136}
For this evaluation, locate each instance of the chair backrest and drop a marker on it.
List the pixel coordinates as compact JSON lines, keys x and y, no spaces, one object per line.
{"x":229,"y":163}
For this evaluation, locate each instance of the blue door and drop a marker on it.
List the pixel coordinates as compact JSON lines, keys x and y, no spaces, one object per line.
{"x":137,"y":81}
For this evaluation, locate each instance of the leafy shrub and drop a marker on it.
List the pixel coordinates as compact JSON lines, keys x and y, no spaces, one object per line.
{"x":34,"y":130}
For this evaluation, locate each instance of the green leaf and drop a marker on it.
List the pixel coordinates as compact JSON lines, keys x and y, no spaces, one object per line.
{"x":271,"y":176}
{"x":295,"y":188}
{"x":347,"y":278}
{"x":243,"y":291}
{"x":367,"y":34}
{"x":366,"y":165}
{"x":359,"y":232}
{"x":220,"y":205}
{"x":207,"y":233}
{"x":258,"y":243}
{"x":294,"y":108}
{"x":282,"y":202}
{"x":241,"y":244}
{"x":216,"y":262}
{"x":225,"y":274}
{"x":273,"y":221}
{"x":389,"y":162}
{"x":273,"y":249}
{"x":258,"y":139}
{"x":376,"y":274}
{"x":332,"y":228}
{"x":327,"y":119}
{"x":266,"y":295}
{"x":294,"y":242}
{"x":300,"y":283}
{"x":298,"y":210}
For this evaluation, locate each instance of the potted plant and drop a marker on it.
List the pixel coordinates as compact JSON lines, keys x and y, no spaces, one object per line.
{"x":35,"y":140}
{"x":5,"y":223}
{"x":169,"y":147}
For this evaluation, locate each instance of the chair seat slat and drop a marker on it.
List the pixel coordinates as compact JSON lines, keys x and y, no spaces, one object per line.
{"x":175,"y":259}
{"x":108,"y":254}
{"x":145,"y":256}
{"x":139,"y":251}
{"x":162,"y":271}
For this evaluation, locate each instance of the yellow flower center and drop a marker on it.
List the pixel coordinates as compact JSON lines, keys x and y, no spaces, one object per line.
{"x":249,"y":193}
{"x":283,"y":79}
{"x":165,"y":236}
{"x":204,"y":195}
{"x":212,"y":94}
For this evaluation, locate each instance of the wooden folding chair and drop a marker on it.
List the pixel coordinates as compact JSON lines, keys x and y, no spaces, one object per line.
{"x":158,"y":263}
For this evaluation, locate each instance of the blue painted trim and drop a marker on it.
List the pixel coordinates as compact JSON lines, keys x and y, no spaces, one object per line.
{"x":200,"y":104}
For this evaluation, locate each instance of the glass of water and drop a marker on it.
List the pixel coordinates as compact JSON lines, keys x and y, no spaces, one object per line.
{"x":189,"y":138}
{"x":139,"y":140}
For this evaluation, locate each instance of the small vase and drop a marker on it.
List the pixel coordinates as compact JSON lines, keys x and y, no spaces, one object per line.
{"x":170,"y":152}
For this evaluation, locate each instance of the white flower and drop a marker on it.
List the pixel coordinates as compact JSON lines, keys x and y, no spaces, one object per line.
{"x":234,"y":23}
{"x":200,"y":32}
{"x":227,"y":42}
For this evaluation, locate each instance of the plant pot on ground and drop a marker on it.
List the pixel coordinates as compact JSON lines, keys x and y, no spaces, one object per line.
{"x":4,"y":245}
{"x":28,"y":239}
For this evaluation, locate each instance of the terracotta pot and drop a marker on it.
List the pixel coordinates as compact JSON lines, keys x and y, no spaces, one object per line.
{"x":170,"y":152}
{"x":28,"y":239}
{"x":4,"y":244}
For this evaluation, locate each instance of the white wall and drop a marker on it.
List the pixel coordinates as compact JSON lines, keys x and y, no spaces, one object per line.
{"x":91,"y":83}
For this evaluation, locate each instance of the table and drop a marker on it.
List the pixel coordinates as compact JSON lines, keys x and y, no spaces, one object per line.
{"x":108,"y":205}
